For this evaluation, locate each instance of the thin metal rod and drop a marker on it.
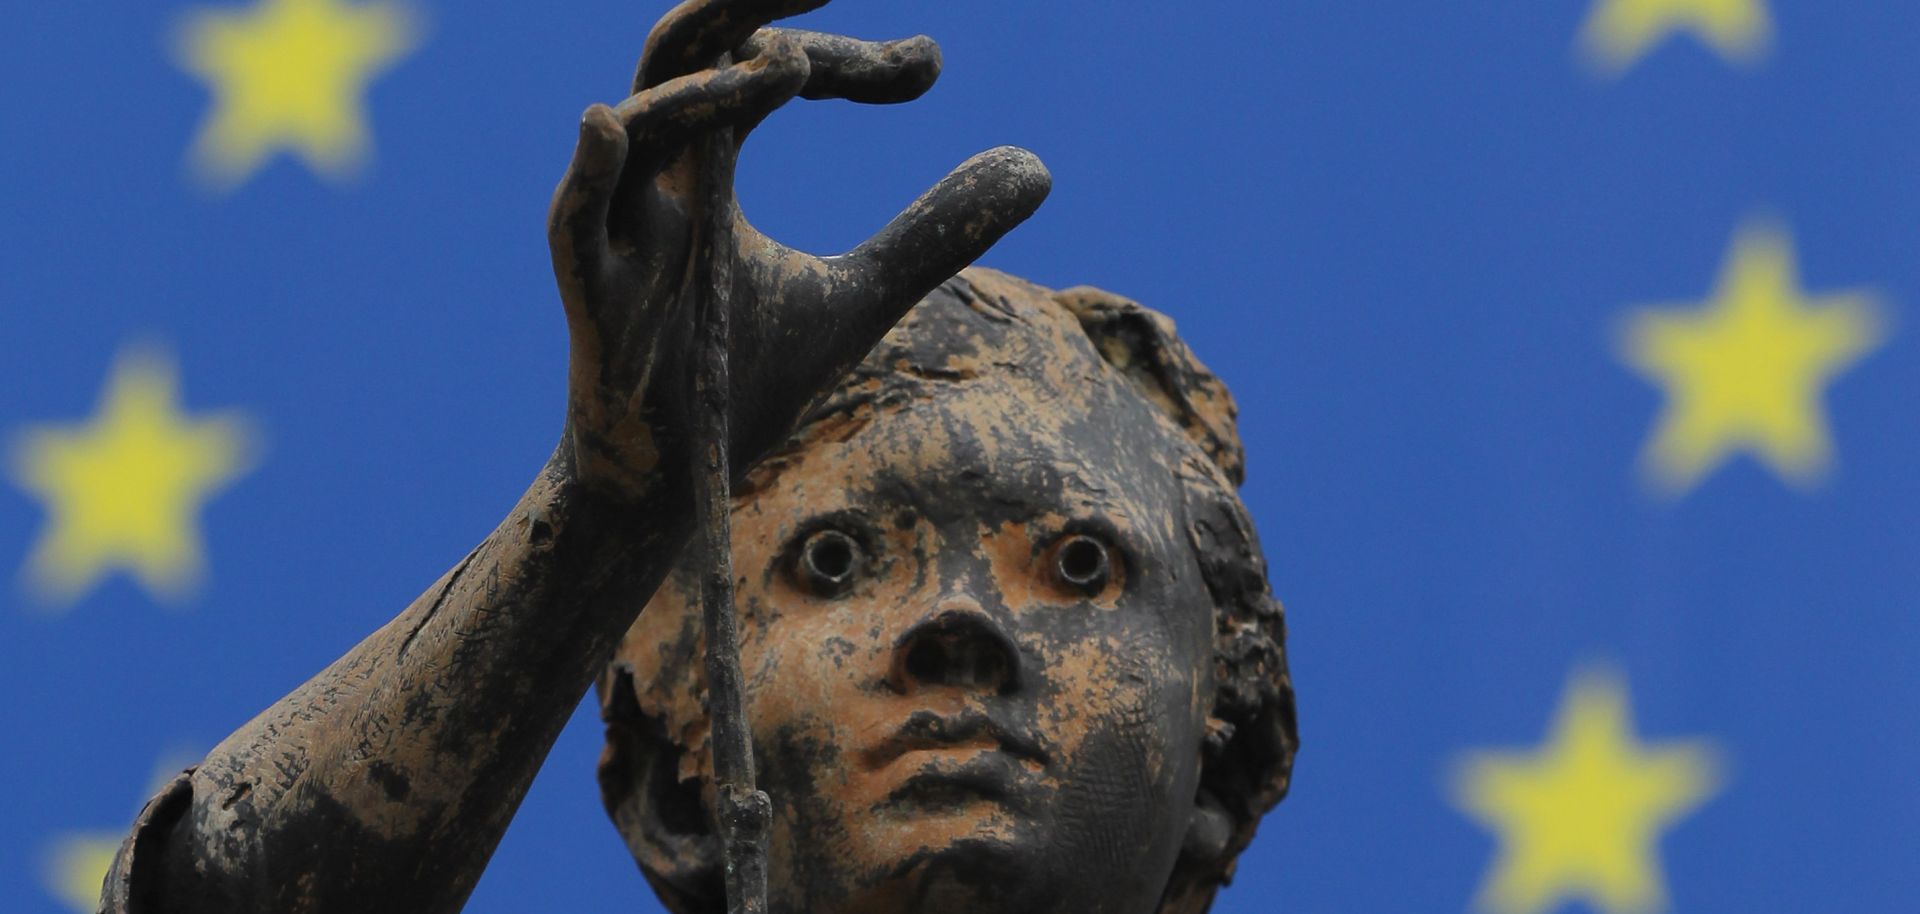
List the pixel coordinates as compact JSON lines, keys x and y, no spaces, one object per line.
{"x":741,"y":811}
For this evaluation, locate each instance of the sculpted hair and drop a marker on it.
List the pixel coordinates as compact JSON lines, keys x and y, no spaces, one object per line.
{"x":1251,"y":738}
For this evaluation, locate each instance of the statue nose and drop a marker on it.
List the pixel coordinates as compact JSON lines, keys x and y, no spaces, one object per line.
{"x":958,"y":646}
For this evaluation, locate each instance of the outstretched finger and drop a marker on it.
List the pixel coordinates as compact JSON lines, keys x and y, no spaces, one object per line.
{"x":577,"y":218}
{"x":951,"y":225}
{"x":663,"y":119}
{"x":872,"y":72}
{"x":695,"y":33}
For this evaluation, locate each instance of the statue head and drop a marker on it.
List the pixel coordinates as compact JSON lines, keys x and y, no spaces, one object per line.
{"x":1005,"y":628}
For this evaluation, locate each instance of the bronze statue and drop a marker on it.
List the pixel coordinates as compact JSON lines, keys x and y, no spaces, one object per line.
{"x":1006,"y":635}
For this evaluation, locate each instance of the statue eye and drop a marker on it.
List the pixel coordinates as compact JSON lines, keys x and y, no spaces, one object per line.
{"x":828,"y":562}
{"x":1083,"y":563}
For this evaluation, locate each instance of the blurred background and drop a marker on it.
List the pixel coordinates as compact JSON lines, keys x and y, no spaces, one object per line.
{"x":1569,"y":336}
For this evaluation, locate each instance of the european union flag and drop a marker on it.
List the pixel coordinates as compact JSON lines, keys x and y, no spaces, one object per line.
{"x":1568,"y":339}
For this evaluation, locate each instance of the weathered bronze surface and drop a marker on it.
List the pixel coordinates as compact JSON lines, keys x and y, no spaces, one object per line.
{"x":1005,"y":625}
{"x":1006,"y":637}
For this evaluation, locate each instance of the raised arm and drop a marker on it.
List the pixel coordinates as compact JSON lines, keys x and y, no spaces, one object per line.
{"x":384,"y":783}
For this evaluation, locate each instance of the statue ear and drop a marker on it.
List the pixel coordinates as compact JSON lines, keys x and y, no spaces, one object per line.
{"x":664,"y":820}
{"x":1209,"y":829}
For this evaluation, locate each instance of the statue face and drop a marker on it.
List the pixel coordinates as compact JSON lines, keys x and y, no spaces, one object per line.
{"x":977,"y":642}
{"x":977,"y":650}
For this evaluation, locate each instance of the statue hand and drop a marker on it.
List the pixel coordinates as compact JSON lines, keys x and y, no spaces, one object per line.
{"x":628,"y":219}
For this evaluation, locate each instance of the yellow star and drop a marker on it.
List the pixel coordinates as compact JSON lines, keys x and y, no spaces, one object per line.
{"x":123,"y":490}
{"x":1746,"y":370}
{"x":1579,"y":818}
{"x":289,"y":74}
{"x":1619,"y":32}
{"x":76,"y":866}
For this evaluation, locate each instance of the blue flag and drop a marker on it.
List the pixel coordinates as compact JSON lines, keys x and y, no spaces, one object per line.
{"x":1569,"y":340}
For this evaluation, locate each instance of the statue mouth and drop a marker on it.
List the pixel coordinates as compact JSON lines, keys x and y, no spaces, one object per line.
{"x":971,"y":729}
{"x":945,"y":781}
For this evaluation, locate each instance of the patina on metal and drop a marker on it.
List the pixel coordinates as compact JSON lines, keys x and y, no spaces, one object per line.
{"x":1004,"y":635}
{"x":742,"y":811}
{"x":1006,"y":626}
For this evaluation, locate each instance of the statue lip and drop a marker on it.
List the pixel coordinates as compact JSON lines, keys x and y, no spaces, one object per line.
{"x":945,"y":783}
{"x":926,"y":730}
